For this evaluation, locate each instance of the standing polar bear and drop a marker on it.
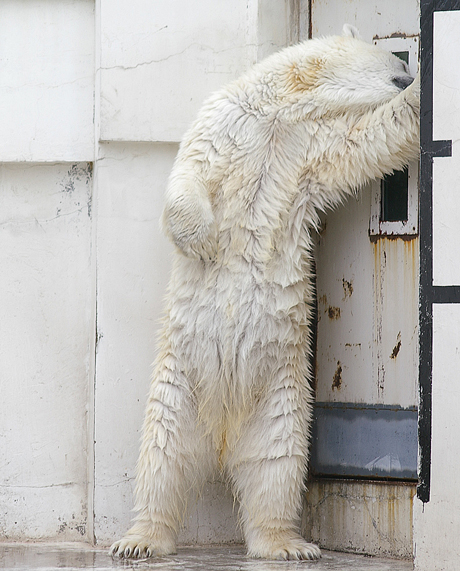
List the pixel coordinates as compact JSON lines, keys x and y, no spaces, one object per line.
{"x":230,"y":391}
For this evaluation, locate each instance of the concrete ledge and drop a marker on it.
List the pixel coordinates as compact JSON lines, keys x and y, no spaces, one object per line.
{"x":373,"y":518}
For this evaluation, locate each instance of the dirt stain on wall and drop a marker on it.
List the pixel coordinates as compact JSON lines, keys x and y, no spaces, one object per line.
{"x":337,"y":379}
{"x":333,"y":312}
{"x":397,"y":347}
{"x":347,"y":288}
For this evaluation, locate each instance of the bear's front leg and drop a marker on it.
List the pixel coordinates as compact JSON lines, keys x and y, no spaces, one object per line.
{"x":268,"y":461}
{"x":188,"y":219}
{"x":175,"y":455}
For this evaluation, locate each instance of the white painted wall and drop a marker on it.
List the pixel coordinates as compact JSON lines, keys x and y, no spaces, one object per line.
{"x":158,"y":63}
{"x":47,"y":80}
{"x":46,"y":258}
{"x":446,"y":126}
{"x":360,"y":516}
{"x":46,"y":312}
{"x":160,"y":60}
{"x":437,"y":523}
{"x":133,"y":263}
{"x":371,"y":18}
{"x":132,"y":274}
{"x":82,"y":258}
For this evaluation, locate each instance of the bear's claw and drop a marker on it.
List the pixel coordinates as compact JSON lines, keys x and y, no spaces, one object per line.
{"x":139,"y":546}
{"x":131,"y":549}
{"x":308,"y":551}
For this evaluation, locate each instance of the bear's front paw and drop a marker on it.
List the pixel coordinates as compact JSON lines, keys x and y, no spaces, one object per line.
{"x":201,"y":246}
{"x":139,"y":547}
{"x":190,"y":224}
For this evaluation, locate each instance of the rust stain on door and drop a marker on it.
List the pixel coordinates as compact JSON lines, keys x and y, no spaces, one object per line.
{"x":337,"y":379}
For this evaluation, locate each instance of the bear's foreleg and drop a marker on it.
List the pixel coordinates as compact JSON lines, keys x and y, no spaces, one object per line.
{"x":375,"y":144}
{"x":267,"y":464}
{"x":175,"y":455}
{"x":188,"y":219}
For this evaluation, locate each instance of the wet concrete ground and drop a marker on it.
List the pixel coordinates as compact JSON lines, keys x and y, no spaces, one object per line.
{"x":52,"y":557}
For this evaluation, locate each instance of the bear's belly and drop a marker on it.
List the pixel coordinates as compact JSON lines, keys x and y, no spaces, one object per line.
{"x":231,"y":330}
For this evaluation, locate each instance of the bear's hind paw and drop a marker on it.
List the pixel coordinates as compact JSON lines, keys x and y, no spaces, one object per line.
{"x":293,"y":549}
{"x":137,"y":547}
{"x":131,"y":548}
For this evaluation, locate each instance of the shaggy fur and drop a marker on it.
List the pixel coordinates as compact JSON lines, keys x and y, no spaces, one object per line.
{"x":230,"y":391}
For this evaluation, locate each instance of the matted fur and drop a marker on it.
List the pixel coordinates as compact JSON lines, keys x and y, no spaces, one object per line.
{"x":230,"y":390}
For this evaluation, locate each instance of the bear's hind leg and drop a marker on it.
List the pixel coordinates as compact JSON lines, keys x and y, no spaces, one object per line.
{"x":175,"y":455}
{"x":267,"y":466}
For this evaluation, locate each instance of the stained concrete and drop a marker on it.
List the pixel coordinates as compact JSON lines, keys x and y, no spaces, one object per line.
{"x":47,"y":557}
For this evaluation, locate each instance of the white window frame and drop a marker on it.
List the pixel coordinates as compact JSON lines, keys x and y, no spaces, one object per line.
{"x":377,"y":227}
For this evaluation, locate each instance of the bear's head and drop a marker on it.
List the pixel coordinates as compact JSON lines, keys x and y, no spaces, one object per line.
{"x":335,"y":75}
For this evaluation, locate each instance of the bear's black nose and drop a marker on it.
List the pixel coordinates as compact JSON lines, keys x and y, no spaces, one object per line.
{"x":402,"y":81}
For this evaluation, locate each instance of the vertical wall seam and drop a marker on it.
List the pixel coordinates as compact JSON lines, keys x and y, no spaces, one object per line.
{"x":95,"y":333}
{"x":294,"y":21}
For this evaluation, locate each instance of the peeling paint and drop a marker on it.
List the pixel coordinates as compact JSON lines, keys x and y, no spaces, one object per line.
{"x":333,"y":312}
{"x":337,"y":380}
{"x":397,"y":347}
{"x":347,"y":288}
{"x":396,"y":277}
{"x":395,"y":35}
{"x":65,"y":527}
{"x":77,"y":172}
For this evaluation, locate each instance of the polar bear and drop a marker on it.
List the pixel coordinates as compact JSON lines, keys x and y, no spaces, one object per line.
{"x":291,"y":138}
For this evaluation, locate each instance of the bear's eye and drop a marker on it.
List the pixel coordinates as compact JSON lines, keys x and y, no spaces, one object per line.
{"x":403,"y":81}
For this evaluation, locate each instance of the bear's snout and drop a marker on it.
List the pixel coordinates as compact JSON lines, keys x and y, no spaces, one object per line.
{"x":402,"y":81}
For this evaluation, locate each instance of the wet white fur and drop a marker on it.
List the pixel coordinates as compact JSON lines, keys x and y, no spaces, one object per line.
{"x":230,"y":391}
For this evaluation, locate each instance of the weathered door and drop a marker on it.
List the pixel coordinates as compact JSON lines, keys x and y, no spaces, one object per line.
{"x":364,"y":454}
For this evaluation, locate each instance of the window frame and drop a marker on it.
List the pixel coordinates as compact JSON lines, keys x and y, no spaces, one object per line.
{"x":409,"y":227}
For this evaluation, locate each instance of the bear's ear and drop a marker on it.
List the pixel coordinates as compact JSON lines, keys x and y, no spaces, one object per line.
{"x":351,"y":31}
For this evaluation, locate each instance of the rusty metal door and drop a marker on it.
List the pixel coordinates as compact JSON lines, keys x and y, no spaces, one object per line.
{"x":367,"y":289}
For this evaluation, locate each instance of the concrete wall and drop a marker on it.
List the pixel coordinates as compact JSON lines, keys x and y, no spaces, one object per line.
{"x":157,"y":65}
{"x":97,"y":98}
{"x":46,"y":360}
{"x":47,"y":80}
{"x":46,"y":255}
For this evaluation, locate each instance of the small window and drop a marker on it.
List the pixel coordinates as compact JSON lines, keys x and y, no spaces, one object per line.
{"x":395,"y":198}
{"x":394,"y":190}
{"x":403,"y":55}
